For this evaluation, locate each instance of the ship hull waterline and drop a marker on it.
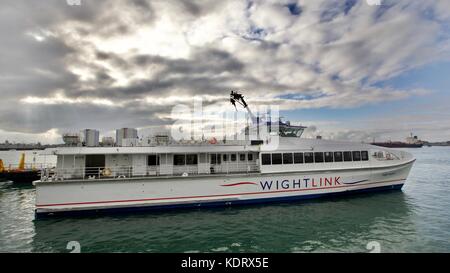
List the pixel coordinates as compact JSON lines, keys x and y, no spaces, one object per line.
{"x":104,"y":196}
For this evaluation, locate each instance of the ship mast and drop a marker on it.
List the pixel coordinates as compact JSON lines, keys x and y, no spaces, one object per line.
{"x":236,"y":97}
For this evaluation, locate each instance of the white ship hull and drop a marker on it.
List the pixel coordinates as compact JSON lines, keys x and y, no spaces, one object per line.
{"x":211,"y":190}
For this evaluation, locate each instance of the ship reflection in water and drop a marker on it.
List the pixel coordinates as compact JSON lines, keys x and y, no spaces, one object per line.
{"x":333,"y":224}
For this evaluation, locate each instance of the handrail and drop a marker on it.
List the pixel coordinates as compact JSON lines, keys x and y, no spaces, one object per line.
{"x":121,"y":172}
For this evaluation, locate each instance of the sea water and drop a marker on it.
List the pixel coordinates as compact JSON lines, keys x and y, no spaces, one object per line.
{"x":415,"y":219}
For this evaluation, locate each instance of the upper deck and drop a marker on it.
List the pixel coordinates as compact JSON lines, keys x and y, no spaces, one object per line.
{"x":285,"y":155}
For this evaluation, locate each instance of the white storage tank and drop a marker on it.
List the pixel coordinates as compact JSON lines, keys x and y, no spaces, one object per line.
{"x":91,"y":137}
{"x":126,"y":137}
{"x":71,"y":139}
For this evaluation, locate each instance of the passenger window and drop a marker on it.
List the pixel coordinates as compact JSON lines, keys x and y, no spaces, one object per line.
{"x":265,"y":159}
{"x":318,"y":157}
{"x":191,"y":159}
{"x":242,"y":157}
{"x":250,"y":157}
{"x":179,"y":160}
{"x":153,"y":160}
{"x":309,"y":157}
{"x":233,"y":157}
{"x":298,"y":158}
{"x":356,"y":156}
{"x":347,"y":156}
{"x":364,"y":156}
{"x":328,"y":157}
{"x":287,"y":158}
{"x":213,"y":159}
{"x":337,"y":156}
{"x":225,"y":158}
{"x":276,"y":159}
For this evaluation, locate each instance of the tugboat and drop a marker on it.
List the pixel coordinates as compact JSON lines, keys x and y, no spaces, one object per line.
{"x":411,"y":142}
{"x":19,"y":174}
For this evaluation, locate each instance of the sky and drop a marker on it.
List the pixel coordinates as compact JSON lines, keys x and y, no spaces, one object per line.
{"x":347,"y":69}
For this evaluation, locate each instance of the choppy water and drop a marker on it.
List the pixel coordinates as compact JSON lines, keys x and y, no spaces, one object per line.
{"x":416,"y":219}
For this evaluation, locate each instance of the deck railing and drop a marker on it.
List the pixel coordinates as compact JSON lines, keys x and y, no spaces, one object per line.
{"x":123,"y":172}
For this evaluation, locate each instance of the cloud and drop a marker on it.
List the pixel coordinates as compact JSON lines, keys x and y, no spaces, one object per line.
{"x":127,"y":63}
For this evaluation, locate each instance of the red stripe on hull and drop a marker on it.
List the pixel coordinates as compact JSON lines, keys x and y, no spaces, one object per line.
{"x":206,"y":196}
{"x":238,"y":184}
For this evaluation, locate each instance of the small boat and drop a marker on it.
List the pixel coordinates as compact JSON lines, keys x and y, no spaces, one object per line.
{"x":19,"y":174}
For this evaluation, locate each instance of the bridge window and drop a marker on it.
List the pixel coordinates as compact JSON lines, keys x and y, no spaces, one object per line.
{"x":276,"y":159}
{"x":347,"y":156}
{"x":309,"y":157}
{"x":152,"y":160}
{"x":337,"y":156}
{"x":328,"y":156}
{"x":287,"y":158}
{"x":318,"y":157}
{"x":364,"y":155}
{"x":298,"y":158}
{"x":266,"y":159}
{"x":356,"y":156}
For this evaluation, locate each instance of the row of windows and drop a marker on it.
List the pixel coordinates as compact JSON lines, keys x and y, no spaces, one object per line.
{"x":313,"y":157}
{"x":192,"y":159}
{"x":178,"y":160}
{"x":218,"y":158}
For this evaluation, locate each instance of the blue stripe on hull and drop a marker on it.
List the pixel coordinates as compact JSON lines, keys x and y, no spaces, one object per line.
{"x":284,"y":199}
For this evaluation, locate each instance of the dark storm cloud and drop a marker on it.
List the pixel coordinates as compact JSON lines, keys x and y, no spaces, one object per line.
{"x":202,"y":74}
{"x":28,"y":65}
{"x":204,"y":61}
{"x":69,"y":117}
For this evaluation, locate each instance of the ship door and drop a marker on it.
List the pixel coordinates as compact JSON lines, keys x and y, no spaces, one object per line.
{"x":94,"y":165}
{"x":215,"y":161}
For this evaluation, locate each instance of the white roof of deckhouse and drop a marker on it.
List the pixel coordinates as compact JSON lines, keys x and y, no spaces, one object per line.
{"x":284,"y":144}
{"x":151,"y":150}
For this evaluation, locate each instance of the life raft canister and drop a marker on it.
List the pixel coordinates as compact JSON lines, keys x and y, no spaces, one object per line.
{"x":213,"y":141}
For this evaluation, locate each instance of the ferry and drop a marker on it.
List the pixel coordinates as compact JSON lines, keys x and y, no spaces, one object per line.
{"x":164,"y":174}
